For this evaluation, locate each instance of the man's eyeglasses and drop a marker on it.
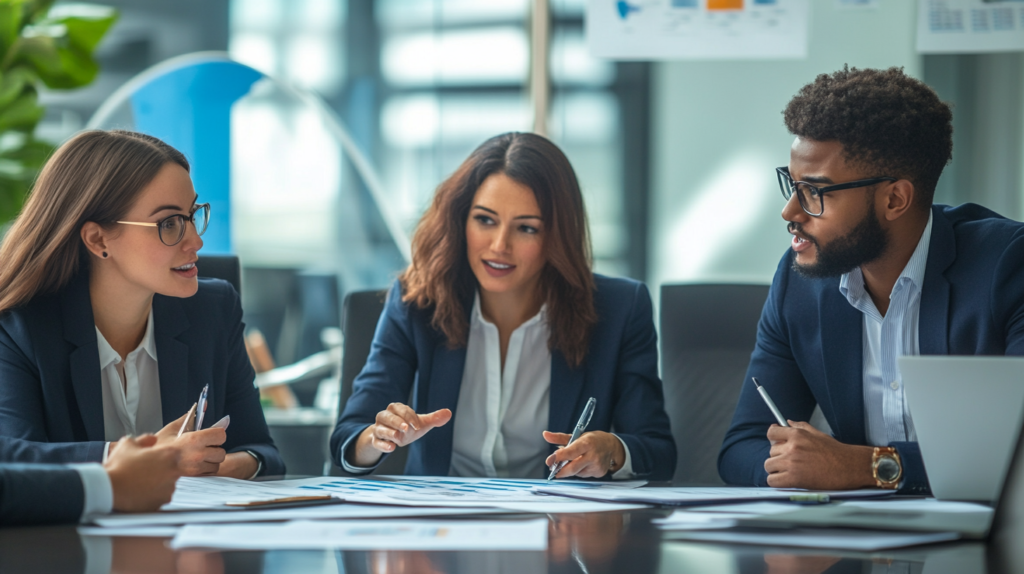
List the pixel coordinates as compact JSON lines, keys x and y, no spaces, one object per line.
{"x":172,"y":229}
{"x":811,"y":197}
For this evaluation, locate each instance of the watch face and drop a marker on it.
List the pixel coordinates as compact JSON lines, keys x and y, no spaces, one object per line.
{"x":888,"y":469}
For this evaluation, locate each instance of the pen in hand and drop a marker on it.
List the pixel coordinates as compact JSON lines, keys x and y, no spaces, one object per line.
{"x":771,"y":404}
{"x":588,"y":411}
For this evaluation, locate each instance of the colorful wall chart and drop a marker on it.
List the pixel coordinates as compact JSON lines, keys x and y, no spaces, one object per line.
{"x":970,"y":26}
{"x":697,"y":29}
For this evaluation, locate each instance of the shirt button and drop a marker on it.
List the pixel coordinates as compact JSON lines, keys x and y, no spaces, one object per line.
{"x":895,"y":385}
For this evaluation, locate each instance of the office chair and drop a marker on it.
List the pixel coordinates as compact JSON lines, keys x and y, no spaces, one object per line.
{"x":360,"y":312}
{"x":224,"y":267}
{"x":707,"y":335}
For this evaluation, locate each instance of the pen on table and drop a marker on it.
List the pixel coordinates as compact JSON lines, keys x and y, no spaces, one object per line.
{"x":588,"y":411}
{"x":188,"y":416}
{"x":771,"y":404}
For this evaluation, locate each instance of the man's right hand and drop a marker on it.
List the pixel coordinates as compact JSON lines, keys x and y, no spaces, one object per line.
{"x":142,"y":473}
{"x":201,"y":453}
{"x":396,"y":426}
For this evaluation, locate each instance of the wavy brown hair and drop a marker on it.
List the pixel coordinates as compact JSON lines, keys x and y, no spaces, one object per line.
{"x":440,"y":278}
{"x":95,"y":176}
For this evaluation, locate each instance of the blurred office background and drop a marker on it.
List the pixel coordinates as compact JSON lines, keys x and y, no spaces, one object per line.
{"x":676,"y":159}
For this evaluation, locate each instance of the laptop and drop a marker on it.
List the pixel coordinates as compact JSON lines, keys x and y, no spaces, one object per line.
{"x":968,"y":414}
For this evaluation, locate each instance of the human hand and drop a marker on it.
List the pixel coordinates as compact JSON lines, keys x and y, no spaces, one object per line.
{"x":142,"y":474}
{"x":200,"y":450}
{"x":396,"y":426}
{"x":593,"y":455}
{"x":240,"y":465}
{"x":804,"y":457}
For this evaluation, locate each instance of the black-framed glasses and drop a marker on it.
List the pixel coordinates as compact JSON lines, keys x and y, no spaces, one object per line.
{"x":810,"y":196}
{"x":172,"y":229}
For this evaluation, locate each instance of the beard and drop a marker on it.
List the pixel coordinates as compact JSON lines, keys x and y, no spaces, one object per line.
{"x":866,"y":242}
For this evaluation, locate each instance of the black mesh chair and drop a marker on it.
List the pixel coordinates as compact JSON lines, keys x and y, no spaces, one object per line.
{"x":707,"y":335}
{"x":224,"y":267}
{"x":360,"y":312}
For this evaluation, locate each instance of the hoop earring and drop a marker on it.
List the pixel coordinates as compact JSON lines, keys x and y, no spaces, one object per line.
{"x":104,"y":254}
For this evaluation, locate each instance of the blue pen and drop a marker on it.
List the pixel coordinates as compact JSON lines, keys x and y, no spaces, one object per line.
{"x":201,"y":407}
{"x":588,"y":411}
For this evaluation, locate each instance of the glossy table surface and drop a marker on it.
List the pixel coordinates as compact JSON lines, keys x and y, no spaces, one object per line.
{"x":586,"y":543}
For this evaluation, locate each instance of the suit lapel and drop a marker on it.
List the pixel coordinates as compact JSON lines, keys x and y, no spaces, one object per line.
{"x":842,"y":350}
{"x":84,"y":360}
{"x":933,"y":328}
{"x":566,"y":385}
{"x":445,"y":383}
{"x":176,"y":389}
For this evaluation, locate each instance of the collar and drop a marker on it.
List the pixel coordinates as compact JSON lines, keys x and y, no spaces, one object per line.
{"x":851,"y":284}
{"x":109,"y":356}
{"x":476,"y":317}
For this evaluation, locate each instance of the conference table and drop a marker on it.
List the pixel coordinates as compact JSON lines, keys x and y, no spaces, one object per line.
{"x":619,"y":541}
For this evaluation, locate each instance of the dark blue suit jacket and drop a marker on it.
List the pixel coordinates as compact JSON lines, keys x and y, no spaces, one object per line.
{"x":39,"y":494}
{"x":620,"y":370}
{"x":809,"y":349}
{"x":50,"y":385}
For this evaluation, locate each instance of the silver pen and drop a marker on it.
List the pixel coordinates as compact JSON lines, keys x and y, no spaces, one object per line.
{"x":771,"y":404}
{"x":588,"y":411}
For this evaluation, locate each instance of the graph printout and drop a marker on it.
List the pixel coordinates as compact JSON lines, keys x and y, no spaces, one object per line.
{"x":697,"y":29}
{"x":970,"y":26}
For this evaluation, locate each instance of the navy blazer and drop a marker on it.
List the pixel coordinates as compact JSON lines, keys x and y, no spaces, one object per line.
{"x":50,"y":383}
{"x":40,"y":494}
{"x":809,"y":349}
{"x":620,"y":370}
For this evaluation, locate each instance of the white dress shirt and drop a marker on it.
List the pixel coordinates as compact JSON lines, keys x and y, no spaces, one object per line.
{"x":501,"y":412}
{"x":99,"y":493}
{"x":886,"y":417}
{"x":131,"y":388}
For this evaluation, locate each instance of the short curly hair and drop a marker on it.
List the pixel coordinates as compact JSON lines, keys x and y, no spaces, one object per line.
{"x":885,"y":120}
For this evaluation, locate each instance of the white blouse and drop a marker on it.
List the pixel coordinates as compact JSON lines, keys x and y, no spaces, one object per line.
{"x":131,"y":388}
{"x":501,"y":413}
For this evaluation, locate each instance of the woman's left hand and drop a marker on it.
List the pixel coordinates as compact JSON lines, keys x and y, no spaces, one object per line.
{"x":241,"y":465}
{"x":593,"y":455}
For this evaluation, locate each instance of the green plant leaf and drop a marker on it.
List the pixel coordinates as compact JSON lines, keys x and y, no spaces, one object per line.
{"x":84,"y":24}
{"x":14,"y":82}
{"x":23,"y":114}
{"x":10,"y":24}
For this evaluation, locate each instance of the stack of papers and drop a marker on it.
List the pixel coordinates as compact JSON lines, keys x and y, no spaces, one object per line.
{"x":833,"y":538}
{"x":370,"y":535}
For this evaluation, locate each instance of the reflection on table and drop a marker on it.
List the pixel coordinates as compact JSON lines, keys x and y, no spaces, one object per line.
{"x":604,"y":542}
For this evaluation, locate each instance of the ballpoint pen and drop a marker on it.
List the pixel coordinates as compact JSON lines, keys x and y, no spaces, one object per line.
{"x":201,"y":408}
{"x":771,"y":404}
{"x":188,"y":417}
{"x":588,"y":411}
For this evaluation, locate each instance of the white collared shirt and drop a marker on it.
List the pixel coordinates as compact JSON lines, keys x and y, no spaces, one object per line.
{"x":131,"y":388}
{"x":886,"y":417}
{"x":501,"y":412}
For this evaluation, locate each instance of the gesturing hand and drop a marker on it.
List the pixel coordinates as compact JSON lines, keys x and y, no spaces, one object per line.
{"x":396,"y":426}
{"x":142,"y":475}
{"x":593,"y":455}
{"x":804,"y":457}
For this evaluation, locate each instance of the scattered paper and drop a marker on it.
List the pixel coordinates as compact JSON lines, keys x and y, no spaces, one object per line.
{"x":833,"y":538}
{"x":693,"y":496}
{"x":370,"y":535}
{"x":331,"y":512}
{"x":134,"y":531}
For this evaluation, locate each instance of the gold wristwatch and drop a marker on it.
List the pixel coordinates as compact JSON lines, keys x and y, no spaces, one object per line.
{"x":886,"y":467}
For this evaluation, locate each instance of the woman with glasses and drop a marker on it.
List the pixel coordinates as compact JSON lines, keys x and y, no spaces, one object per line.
{"x":105,"y":329}
{"x":498,"y":334}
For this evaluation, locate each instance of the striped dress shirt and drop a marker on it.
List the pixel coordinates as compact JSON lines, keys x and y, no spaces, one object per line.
{"x":886,"y":417}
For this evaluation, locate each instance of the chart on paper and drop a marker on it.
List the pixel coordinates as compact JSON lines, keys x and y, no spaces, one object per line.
{"x":697,"y":29}
{"x":434,"y":490}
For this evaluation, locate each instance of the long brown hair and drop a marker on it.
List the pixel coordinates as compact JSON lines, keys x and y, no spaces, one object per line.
{"x":95,"y":176}
{"x":440,"y":275}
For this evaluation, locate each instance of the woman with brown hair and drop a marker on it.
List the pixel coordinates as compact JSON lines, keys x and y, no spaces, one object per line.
{"x":105,"y":329}
{"x":500,"y":324}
